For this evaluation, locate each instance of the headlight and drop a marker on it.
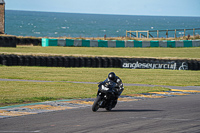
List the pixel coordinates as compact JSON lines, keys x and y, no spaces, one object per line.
{"x":104,"y":88}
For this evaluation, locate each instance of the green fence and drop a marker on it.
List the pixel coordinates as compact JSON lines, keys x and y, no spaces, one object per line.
{"x":137,"y":43}
{"x":116,"y":43}
{"x":154,"y":43}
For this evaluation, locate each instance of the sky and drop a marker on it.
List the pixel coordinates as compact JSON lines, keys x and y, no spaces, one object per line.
{"x":120,"y":7}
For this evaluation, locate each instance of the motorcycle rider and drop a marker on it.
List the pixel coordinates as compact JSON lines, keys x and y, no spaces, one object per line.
{"x":116,"y":79}
{"x":120,"y":88}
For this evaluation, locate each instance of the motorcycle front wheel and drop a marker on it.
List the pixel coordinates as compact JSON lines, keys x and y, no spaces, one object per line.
{"x":95,"y":105}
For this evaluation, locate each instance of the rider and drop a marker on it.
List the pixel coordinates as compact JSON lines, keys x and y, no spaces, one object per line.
{"x":119,"y":86}
{"x":117,"y":80}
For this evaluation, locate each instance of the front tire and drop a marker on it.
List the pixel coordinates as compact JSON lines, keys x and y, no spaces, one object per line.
{"x":95,"y":105}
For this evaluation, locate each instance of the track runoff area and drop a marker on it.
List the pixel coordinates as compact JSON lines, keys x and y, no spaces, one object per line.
{"x":70,"y":104}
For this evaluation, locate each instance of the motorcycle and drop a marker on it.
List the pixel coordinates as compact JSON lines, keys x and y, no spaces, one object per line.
{"x":107,"y":96}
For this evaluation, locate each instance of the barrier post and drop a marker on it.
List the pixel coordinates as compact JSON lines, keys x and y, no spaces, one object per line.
{"x":184,"y":32}
{"x":167,"y":34}
{"x":157,"y":33}
{"x":137,"y":34}
{"x":175,"y":33}
{"x":194,"y":33}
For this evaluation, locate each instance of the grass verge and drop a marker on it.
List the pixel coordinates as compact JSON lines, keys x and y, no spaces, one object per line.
{"x":18,"y":92}
{"x":178,"y":53}
{"x":139,"y":76}
{"x":27,"y":92}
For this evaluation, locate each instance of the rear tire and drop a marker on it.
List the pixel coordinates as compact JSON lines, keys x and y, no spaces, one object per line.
{"x":95,"y":105}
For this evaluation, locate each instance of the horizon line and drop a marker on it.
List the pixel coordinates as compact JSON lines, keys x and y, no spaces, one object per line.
{"x":97,"y":13}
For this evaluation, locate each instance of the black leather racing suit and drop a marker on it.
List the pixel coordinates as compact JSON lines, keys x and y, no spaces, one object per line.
{"x":119,"y":83}
{"x":119,"y":90}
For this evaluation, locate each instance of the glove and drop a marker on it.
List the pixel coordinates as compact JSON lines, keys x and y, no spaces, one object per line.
{"x":120,"y":91}
{"x":100,"y":83}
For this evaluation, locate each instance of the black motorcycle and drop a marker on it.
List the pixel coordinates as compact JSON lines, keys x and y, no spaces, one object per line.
{"x":107,"y":96}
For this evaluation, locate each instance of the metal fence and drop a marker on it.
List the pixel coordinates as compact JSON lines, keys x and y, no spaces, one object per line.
{"x":163,"y":33}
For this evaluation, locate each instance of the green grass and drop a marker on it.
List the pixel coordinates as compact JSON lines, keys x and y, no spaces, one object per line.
{"x":27,"y":92}
{"x":140,"y":76}
{"x":17,"y":92}
{"x":95,"y":51}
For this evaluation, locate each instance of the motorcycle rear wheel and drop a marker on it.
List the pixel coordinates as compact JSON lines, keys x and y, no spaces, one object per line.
{"x":95,"y":105}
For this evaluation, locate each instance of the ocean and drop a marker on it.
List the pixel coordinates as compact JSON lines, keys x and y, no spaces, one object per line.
{"x":51,"y":24}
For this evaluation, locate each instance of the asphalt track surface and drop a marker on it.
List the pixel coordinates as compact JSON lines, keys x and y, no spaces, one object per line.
{"x":170,"y":114}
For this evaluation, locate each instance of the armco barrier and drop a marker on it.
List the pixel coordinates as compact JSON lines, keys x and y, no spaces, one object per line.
{"x":103,"y":62}
{"x":116,"y":43}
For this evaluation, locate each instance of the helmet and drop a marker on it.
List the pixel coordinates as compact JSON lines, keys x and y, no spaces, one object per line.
{"x":111,"y":76}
